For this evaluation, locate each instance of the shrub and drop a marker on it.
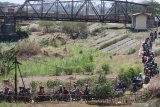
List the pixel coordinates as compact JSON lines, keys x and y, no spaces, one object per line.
{"x":131,"y":51}
{"x":75,"y":29}
{"x":89,"y":67}
{"x":105,"y":68}
{"x":57,"y":82}
{"x":34,"y":84}
{"x":68,"y":70}
{"x":52,"y":83}
{"x":27,"y":48}
{"x":56,"y":41}
{"x":58,"y":71}
{"x":127,"y":74}
{"x":102,"y":79}
{"x":22,"y":33}
{"x":88,"y":80}
{"x":79,"y":69}
{"x":103,"y":89}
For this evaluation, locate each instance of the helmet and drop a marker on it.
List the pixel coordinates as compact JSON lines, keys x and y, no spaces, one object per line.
{"x":41,"y":87}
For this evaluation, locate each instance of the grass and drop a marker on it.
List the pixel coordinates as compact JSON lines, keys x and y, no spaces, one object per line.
{"x":81,"y":59}
{"x":5,"y":104}
{"x":138,"y":35}
{"x":113,"y":41}
{"x":157,"y":42}
{"x":61,"y":104}
{"x":76,"y":62}
{"x":78,"y":57}
{"x":157,"y":52}
{"x":132,"y":50}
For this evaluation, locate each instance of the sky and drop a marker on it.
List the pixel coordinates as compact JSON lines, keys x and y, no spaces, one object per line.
{"x":21,"y":1}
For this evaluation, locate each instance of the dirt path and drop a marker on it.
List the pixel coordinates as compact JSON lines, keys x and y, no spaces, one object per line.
{"x":65,"y":78}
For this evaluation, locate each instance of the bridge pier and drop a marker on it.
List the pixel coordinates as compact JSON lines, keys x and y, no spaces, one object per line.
{"x":8,"y":29}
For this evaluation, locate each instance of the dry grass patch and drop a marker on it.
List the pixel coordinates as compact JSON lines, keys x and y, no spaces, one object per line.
{"x":27,"y":48}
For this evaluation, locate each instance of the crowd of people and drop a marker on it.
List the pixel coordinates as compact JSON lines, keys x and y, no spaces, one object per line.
{"x":61,"y":94}
{"x":148,"y":60}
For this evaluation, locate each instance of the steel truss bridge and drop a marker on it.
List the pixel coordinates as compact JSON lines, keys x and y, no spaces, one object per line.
{"x":107,"y":11}
{"x":113,"y":11}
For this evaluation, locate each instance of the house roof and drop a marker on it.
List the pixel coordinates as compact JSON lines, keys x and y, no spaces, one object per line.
{"x":137,"y":14}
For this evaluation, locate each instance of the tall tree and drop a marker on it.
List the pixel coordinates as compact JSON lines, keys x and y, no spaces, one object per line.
{"x":155,"y":6}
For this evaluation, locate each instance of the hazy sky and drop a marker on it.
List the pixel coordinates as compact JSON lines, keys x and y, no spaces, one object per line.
{"x":21,"y":1}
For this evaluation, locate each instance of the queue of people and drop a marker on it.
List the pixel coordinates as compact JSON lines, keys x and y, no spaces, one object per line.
{"x":148,"y":60}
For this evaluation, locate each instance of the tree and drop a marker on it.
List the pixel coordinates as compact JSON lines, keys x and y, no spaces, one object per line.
{"x":46,"y":25}
{"x":6,"y":60}
{"x":155,"y":5}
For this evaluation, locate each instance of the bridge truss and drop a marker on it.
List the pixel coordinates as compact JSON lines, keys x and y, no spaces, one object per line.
{"x":113,"y":11}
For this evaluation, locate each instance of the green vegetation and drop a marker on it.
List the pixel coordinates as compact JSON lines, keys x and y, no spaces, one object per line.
{"x":33,"y":84}
{"x":127,"y":73}
{"x":131,"y":50}
{"x":88,"y":80}
{"x":155,"y":6}
{"x":56,"y":66}
{"x":113,"y":41}
{"x":103,"y":89}
{"x":5,"y":104}
{"x":51,"y":83}
{"x":105,"y":68}
{"x":6,"y":60}
{"x":54,"y":41}
{"x":46,"y":25}
{"x":75,"y":29}
{"x":157,"y":52}
{"x":22,"y":33}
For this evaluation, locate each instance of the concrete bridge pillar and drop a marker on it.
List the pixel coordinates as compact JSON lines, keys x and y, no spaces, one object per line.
{"x":8,"y":29}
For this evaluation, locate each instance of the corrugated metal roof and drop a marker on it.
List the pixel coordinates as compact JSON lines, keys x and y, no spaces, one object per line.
{"x":136,"y":14}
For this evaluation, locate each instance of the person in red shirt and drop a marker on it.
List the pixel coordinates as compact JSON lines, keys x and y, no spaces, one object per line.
{"x":65,"y":95}
{"x":65,"y":91}
{"x":41,"y":91}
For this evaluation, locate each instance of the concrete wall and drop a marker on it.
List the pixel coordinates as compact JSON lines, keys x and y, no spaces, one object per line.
{"x":141,"y":22}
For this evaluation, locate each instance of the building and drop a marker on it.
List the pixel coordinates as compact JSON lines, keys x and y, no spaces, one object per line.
{"x":139,"y":21}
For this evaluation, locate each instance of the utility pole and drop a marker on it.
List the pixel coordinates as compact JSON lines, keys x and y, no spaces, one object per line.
{"x":15,"y":78}
{"x":16,"y":63}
